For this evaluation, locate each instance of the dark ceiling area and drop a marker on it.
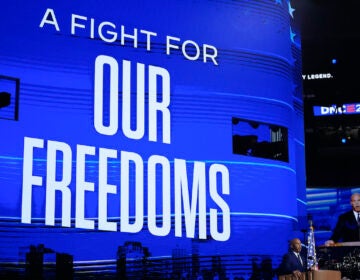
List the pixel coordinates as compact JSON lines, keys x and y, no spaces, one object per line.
{"x":331,"y":30}
{"x":330,"y":39}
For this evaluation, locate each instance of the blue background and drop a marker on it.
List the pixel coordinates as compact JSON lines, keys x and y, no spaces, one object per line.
{"x":258,"y":78}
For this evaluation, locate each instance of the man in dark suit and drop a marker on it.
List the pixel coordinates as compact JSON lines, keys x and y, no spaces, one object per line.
{"x":293,"y":262}
{"x":347,"y":228}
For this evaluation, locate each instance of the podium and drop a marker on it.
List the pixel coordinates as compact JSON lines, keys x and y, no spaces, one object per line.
{"x":324,"y":275}
{"x":314,"y":275}
{"x":344,"y":257}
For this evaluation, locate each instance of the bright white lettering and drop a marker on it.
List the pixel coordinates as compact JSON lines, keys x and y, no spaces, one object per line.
{"x":51,"y":21}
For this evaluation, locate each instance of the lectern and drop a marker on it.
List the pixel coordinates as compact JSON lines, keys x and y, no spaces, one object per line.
{"x":315,"y":275}
{"x":324,"y":275}
{"x":344,"y":257}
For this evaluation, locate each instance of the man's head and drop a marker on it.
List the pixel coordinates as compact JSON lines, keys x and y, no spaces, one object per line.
{"x":295,"y":245}
{"x":355,"y":202}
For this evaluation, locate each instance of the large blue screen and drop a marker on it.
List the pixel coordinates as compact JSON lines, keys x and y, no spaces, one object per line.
{"x":118,"y":121}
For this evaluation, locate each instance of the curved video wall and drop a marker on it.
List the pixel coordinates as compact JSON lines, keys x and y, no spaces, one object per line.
{"x":165,"y":131}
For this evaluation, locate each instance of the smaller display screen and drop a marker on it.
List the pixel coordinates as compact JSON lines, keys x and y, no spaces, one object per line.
{"x":352,"y":108}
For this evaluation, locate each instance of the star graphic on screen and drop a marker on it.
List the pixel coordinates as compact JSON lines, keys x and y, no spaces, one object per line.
{"x":291,"y":10}
{"x":292,"y":35}
{"x":278,"y":2}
